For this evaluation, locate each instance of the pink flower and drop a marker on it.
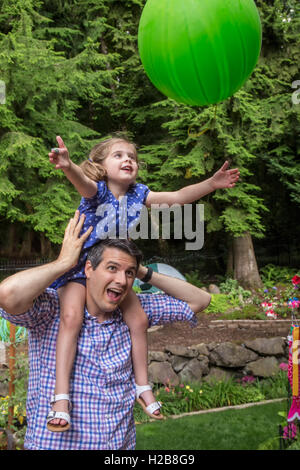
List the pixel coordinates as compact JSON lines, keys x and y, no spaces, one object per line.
{"x":167,"y":389}
{"x":294,"y":303}
{"x":270,"y":313}
{"x":290,"y":431}
{"x":283,"y":366}
{"x":248,"y":379}
{"x":267,"y":305}
{"x":296,"y":280}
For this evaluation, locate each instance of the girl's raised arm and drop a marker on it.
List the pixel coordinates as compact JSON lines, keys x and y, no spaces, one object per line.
{"x":223,"y":178}
{"x":60,"y":158}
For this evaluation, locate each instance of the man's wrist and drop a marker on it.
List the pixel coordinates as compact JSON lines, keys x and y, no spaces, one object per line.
{"x":141,"y":271}
{"x":147,"y":277}
{"x":144,"y":273}
{"x":61,"y":266}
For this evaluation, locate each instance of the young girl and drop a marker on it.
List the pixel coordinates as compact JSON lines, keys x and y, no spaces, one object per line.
{"x":106,"y":177}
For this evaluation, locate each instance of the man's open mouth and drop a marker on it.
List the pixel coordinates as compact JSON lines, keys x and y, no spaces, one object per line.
{"x":114,"y":294}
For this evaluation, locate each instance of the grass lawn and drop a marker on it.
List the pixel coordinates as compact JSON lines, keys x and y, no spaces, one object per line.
{"x":242,"y":429}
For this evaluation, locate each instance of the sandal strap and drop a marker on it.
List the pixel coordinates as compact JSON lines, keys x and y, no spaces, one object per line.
{"x":154,"y":407}
{"x":58,"y":415}
{"x":141,"y":389}
{"x":61,"y":396}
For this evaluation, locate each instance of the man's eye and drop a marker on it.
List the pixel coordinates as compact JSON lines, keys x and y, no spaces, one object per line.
{"x":130,"y":274}
{"x":111,"y":268}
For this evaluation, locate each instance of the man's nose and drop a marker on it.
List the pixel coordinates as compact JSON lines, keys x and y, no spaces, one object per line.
{"x":121,"y":278}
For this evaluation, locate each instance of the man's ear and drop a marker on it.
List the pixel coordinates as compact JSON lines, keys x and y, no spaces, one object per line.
{"x":88,"y":268}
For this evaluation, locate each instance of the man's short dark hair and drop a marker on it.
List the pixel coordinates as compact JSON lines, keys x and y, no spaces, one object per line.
{"x":127,"y":246}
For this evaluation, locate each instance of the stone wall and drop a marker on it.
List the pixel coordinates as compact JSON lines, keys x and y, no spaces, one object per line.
{"x":259,"y":357}
{"x":201,"y":362}
{"x":278,"y":327}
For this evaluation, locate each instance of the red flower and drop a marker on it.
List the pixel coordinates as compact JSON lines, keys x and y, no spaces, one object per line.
{"x":296,"y":280}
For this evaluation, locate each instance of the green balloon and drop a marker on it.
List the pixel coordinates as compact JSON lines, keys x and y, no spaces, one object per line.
{"x":199,"y":52}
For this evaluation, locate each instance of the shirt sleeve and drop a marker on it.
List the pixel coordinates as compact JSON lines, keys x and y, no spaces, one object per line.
{"x":141,"y":192}
{"x":91,"y":203}
{"x":162,"y":308}
{"x":101,"y":192}
{"x":42,"y":313}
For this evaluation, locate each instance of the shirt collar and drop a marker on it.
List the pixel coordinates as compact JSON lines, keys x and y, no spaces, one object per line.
{"x":116,"y":316}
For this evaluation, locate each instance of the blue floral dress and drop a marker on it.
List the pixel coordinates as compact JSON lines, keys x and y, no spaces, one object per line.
{"x":110,"y":218}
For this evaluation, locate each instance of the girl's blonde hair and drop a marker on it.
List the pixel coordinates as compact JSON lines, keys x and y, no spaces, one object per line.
{"x":93,"y":167}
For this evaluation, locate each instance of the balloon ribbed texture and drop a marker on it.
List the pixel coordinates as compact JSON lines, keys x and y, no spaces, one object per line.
{"x":199,"y":52}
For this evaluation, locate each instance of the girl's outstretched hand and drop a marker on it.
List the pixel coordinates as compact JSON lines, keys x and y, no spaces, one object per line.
{"x":225,"y":178}
{"x":59,"y":156}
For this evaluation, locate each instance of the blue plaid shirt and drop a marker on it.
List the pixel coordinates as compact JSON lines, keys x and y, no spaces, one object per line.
{"x":102,"y":388}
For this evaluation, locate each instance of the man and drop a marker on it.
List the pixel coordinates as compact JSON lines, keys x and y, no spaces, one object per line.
{"x":102,"y":385}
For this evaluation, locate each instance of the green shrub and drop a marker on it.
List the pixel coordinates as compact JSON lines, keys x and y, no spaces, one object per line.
{"x":220,"y":303}
{"x":295,"y":445}
{"x":193,"y":277}
{"x":234,"y":291}
{"x":184,"y":398}
{"x":18,"y":400}
{"x":248,"y":312}
{"x":271,"y":275}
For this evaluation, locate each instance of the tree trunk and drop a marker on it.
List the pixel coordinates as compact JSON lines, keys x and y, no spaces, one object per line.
{"x":245,"y":265}
{"x":162,"y":243}
{"x":229,"y":266}
{"x":26,"y":247}
{"x":10,"y":243}
{"x":46,"y":247}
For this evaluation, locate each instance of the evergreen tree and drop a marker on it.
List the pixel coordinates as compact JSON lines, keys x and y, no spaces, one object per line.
{"x":40,"y":101}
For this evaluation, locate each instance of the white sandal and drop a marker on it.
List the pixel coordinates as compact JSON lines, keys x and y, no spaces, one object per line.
{"x":150,"y":409}
{"x":59,"y":414}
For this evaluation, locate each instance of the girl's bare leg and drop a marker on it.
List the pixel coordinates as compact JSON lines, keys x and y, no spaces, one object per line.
{"x":72,"y":300}
{"x":137,"y":322}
